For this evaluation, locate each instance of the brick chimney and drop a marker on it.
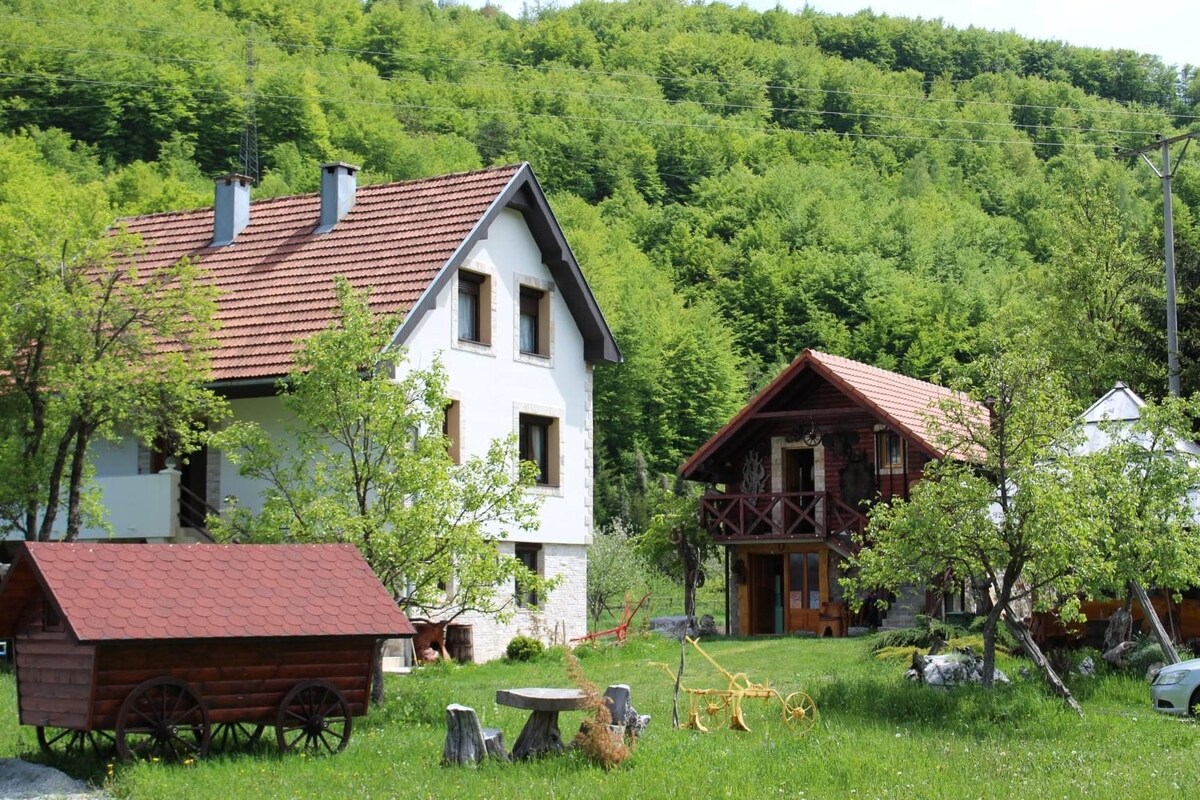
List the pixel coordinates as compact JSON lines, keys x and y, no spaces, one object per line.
{"x":337,"y":193}
{"x":231,"y":208}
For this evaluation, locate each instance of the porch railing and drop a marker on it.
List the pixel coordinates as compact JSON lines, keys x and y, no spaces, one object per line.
{"x":779,"y":515}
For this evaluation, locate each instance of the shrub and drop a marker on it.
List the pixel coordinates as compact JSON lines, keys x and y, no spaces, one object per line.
{"x":1146,"y":651}
{"x":921,"y":635}
{"x":524,"y":648}
{"x":1004,"y":639}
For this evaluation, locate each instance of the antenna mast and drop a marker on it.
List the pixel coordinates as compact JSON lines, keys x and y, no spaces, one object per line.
{"x":248,"y":152}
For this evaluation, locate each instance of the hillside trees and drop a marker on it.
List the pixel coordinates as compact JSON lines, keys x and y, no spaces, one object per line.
{"x":903,"y":208}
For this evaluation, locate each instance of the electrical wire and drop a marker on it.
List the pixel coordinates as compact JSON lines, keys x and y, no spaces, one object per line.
{"x":645,"y":76}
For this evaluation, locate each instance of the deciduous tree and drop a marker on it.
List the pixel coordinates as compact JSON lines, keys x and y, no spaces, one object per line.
{"x":91,"y":346}
{"x":364,"y":461}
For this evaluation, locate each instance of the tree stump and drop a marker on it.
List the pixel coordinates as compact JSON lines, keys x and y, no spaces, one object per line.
{"x":539,"y":736}
{"x":466,"y":741}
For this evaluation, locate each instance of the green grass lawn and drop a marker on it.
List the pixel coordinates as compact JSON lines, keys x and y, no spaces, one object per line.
{"x":878,"y":737}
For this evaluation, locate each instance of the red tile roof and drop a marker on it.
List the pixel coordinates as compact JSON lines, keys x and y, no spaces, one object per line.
{"x":112,"y":592}
{"x":276,"y":279}
{"x":906,"y":404}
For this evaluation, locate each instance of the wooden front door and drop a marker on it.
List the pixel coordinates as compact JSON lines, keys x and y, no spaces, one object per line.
{"x":798,"y":464}
{"x":766,"y":594}
{"x":807,"y":589}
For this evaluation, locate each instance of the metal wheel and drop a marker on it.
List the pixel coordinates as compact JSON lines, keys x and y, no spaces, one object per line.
{"x":799,"y":711}
{"x":314,"y":717}
{"x":73,"y":743}
{"x":163,"y":718}
{"x":230,"y":736}
{"x":714,"y":710}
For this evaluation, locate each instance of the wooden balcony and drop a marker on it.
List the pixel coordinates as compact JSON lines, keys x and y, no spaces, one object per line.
{"x":812,"y":516}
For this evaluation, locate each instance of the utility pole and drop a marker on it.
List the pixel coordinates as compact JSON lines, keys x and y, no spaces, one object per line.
{"x":1165,"y":174}
{"x":248,"y":152}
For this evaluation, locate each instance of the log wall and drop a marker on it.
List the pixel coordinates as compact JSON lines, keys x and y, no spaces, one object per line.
{"x":54,"y":672}
{"x":239,"y":680}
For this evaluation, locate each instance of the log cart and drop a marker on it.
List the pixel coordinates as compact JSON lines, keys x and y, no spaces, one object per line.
{"x":709,"y":708}
{"x":166,"y":651}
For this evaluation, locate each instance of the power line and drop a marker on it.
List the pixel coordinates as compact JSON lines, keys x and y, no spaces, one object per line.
{"x":644,"y":121}
{"x":642,"y":98}
{"x":284,"y":45}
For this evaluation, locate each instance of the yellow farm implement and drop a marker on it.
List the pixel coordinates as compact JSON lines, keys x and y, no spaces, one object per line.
{"x":714,"y":708}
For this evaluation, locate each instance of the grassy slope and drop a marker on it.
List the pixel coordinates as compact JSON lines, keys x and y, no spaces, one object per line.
{"x":878,"y":736}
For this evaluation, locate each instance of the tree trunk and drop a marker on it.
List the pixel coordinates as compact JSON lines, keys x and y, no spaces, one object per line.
{"x":989,"y":646}
{"x":679,"y":677}
{"x":377,"y":693}
{"x":54,"y":485}
{"x":1039,"y":658}
{"x":1156,"y":626}
{"x":466,"y":741}
{"x":75,"y":487}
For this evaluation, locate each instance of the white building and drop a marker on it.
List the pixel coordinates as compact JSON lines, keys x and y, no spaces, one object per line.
{"x":488,"y":284}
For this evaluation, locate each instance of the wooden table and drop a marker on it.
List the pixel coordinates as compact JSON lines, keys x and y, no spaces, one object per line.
{"x":540,"y":734}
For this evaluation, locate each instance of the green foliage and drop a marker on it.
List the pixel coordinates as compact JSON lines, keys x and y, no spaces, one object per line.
{"x":1146,"y":654}
{"x":616,"y":570}
{"x":1014,"y":517}
{"x":878,"y":736}
{"x":365,"y":462}
{"x":738,"y":185}
{"x":921,"y":635}
{"x":82,"y":338}
{"x":524,"y":648}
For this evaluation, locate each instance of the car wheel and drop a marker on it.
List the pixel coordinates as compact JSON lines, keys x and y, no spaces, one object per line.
{"x":1195,"y":701}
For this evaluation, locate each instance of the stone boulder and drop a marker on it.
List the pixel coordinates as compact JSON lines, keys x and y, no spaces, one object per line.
{"x":675,"y":626}
{"x":950,"y":669}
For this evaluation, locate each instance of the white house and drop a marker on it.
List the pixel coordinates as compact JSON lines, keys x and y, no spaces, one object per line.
{"x":487,"y":283}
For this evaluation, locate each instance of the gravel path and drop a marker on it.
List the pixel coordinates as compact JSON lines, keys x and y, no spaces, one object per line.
{"x":20,"y":780}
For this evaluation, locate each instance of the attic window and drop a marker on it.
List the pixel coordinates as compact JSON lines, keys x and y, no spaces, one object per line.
{"x":474,"y":308}
{"x":889,"y":452}
{"x":534,"y":322}
{"x":51,"y":620}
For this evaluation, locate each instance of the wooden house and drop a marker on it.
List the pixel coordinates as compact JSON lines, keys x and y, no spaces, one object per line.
{"x":166,"y":645}
{"x":792,"y":475}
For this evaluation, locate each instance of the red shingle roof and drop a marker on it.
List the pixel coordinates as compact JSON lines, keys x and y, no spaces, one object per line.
{"x":906,"y":404}
{"x":276,"y":279}
{"x":110,"y":592}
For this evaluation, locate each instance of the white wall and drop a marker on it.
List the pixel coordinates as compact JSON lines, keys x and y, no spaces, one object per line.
{"x":268,"y":412}
{"x":496,"y":384}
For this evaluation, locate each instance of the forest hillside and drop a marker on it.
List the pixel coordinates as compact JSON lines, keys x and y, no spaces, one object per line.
{"x":738,"y":185}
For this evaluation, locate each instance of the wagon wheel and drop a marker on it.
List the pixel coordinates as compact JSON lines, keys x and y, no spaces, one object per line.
{"x":73,"y":743}
{"x":799,"y":711}
{"x":315,"y":717}
{"x":229,"y":736}
{"x":714,"y":708}
{"x":163,"y":718}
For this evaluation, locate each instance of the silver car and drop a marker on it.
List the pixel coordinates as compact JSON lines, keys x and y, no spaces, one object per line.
{"x":1176,"y":689}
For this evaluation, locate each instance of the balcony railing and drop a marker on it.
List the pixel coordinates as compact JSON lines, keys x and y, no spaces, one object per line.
{"x":779,"y":515}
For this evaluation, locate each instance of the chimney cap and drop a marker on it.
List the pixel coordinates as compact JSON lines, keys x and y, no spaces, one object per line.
{"x":233,"y":177}
{"x":332,"y":165}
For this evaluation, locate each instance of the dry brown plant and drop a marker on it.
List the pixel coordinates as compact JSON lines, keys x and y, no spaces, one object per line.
{"x":596,"y":739}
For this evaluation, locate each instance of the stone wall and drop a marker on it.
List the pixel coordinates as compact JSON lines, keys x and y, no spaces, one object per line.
{"x":561,"y":617}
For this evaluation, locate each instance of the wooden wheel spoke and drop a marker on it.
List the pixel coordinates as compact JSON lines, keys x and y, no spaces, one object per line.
{"x":165,"y":718}
{"x":314,"y":716}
